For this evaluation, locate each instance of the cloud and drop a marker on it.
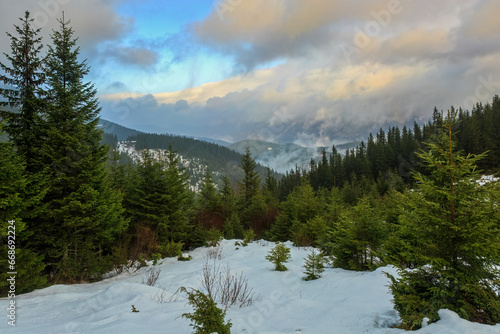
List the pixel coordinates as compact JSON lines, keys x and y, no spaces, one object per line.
{"x":94,"y":21}
{"x":260,"y":31}
{"x":132,"y":55}
{"x":483,"y":22}
{"x":291,"y":81}
{"x":117,"y":86}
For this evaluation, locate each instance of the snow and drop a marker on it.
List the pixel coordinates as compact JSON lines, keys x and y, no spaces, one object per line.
{"x":340,"y":302}
{"x":487,"y":179}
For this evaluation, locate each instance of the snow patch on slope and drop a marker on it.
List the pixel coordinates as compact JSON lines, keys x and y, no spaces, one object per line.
{"x":341,"y":302}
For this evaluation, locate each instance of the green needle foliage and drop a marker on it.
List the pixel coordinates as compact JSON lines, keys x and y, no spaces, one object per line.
{"x":354,"y":240}
{"x":159,"y":199}
{"x":14,"y":199}
{"x":22,"y":106}
{"x":84,"y":214}
{"x":279,"y":255}
{"x":206,"y":318}
{"x":453,"y":223}
{"x":314,"y":266}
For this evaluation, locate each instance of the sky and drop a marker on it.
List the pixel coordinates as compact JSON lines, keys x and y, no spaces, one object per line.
{"x":315,"y":72}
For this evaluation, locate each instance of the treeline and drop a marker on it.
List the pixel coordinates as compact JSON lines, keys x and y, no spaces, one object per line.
{"x":407,"y":197}
{"x":214,"y":154}
{"x":197,"y":154}
{"x":391,"y":157}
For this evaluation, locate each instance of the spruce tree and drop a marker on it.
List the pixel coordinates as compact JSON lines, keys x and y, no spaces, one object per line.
{"x":159,"y":199}
{"x":453,"y":223}
{"x":208,"y":203}
{"x":181,"y":200}
{"x":208,"y":199}
{"x":251,"y":199}
{"x":84,"y":214}
{"x":356,"y":238}
{"x":228,"y":198}
{"x":23,"y":111}
{"x":278,"y":256}
{"x":14,"y":233}
{"x":232,"y":225}
{"x":251,"y":181}
{"x":314,"y":266}
{"x":206,"y":317}
{"x":22,"y":108}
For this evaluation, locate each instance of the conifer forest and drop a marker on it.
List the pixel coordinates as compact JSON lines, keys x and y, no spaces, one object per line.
{"x":424,"y":199}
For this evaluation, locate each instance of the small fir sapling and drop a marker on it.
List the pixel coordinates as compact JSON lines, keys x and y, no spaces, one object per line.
{"x":279,"y":255}
{"x":314,"y":266}
{"x":206,"y":316}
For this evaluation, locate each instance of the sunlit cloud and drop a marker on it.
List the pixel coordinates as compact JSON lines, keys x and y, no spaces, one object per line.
{"x":311,"y":72}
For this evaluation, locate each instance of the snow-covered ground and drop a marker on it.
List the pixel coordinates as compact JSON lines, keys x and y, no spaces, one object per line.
{"x":339,"y":302}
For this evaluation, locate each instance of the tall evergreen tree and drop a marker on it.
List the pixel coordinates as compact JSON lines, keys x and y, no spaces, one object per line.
{"x":209,"y":207}
{"x":160,"y":200}
{"x":24,"y":77}
{"x":232,"y":224}
{"x":208,"y":199}
{"x":181,"y":200}
{"x":14,"y":200}
{"x":252,"y":201}
{"x":452,"y":223}
{"x":228,"y":198}
{"x":84,"y":213}
{"x":251,"y":181}
{"x":355,"y":239}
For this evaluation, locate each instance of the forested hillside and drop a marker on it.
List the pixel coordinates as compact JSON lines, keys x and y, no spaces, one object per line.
{"x":411,"y":198}
{"x":196,"y":155}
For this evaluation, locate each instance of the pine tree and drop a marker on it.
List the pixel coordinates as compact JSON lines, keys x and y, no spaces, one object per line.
{"x":453,"y":222}
{"x":209,"y":205}
{"x":24,"y":78}
{"x":181,"y":198}
{"x":208,"y":199}
{"x":232,"y":225}
{"x":228,"y":198}
{"x":14,"y":200}
{"x":23,"y":112}
{"x":253,"y":206}
{"x":251,"y":182}
{"x":159,"y":199}
{"x":300,"y":207}
{"x":357,"y":236}
{"x":278,"y":256}
{"x":314,"y":266}
{"x":84,"y":214}
{"x":206,"y":317}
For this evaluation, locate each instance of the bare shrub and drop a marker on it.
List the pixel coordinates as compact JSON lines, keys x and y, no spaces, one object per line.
{"x":164,"y":296}
{"x":215,"y":253}
{"x":160,"y":296}
{"x":151,"y":276}
{"x":224,"y":287}
{"x":262,"y":243}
